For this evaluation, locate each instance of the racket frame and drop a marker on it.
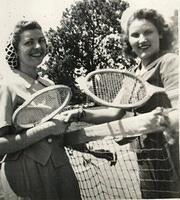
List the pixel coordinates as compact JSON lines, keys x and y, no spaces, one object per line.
{"x":32,"y":97}
{"x":149,"y":89}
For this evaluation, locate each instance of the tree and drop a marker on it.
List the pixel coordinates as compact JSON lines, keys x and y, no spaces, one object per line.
{"x":174,"y":27}
{"x":89,"y":37}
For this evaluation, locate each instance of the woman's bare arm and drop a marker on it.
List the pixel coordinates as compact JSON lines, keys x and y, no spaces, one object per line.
{"x":94,"y":115}
{"x":11,"y":142}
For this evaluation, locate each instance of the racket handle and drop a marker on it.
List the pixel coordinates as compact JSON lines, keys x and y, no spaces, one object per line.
{"x":171,"y":131}
{"x":169,"y":135}
{"x":142,"y":124}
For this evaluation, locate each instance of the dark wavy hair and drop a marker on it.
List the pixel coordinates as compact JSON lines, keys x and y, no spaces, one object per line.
{"x":158,"y":21}
{"x":20,"y":28}
{"x":12,"y":46}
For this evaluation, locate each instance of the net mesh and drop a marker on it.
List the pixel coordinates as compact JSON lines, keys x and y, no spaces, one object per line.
{"x":116,"y":86}
{"x":124,"y":180}
{"x":100,"y":180}
{"x":42,"y":106}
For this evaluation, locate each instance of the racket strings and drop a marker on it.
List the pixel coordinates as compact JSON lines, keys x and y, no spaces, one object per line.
{"x":135,"y":90}
{"x":102,"y":84}
{"x":42,"y":106}
{"x":117,"y":88}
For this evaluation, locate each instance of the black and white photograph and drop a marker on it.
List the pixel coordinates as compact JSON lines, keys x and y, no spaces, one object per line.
{"x":89,"y":100}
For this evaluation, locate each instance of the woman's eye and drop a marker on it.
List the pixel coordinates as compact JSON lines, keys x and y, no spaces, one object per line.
{"x":148,"y":32}
{"x":29,"y":43}
{"x":135,"y":35}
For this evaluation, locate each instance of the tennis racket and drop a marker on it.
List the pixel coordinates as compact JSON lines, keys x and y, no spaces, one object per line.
{"x":126,"y":129}
{"x":41,"y":106}
{"x":116,"y":88}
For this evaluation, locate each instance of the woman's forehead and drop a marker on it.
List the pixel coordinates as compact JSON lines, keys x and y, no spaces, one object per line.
{"x":31,"y":34}
{"x":140,"y":24}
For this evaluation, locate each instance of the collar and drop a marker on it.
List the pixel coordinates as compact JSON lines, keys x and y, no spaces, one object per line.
{"x":26,"y":80}
{"x":149,"y":66}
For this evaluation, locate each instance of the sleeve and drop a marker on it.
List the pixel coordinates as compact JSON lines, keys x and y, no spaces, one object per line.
{"x":169,"y":75}
{"x":7,"y":99}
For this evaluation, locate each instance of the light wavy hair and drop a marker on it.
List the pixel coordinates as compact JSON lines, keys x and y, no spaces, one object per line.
{"x":156,"y":19}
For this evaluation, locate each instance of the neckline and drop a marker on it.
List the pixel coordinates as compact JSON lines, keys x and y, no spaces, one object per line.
{"x":28,"y":80}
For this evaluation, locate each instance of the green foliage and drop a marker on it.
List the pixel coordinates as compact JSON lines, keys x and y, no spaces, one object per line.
{"x":89,"y":37}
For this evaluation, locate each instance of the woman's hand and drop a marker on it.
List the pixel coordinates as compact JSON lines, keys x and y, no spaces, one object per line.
{"x":59,"y":126}
{"x":169,"y":121}
{"x":71,"y":115}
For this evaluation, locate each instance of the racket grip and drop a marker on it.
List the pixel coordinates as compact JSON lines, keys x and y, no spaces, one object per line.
{"x":169,"y":136}
{"x":124,"y":128}
{"x":172,"y":127}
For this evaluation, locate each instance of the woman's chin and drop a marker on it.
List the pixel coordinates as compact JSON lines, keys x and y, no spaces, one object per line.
{"x":37,"y":61}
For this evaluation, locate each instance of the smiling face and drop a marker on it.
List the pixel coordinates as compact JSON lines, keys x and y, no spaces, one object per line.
{"x":31,"y":48}
{"x":144,"y":40}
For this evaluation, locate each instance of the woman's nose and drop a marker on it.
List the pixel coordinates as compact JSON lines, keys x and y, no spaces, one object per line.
{"x":142,"y":38}
{"x":37,"y":45}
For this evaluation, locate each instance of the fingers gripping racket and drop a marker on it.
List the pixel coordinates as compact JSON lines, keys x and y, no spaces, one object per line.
{"x":116,"y":88}
{"x":42,"y":106}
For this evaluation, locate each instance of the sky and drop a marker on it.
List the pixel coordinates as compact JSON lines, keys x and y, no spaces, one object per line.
{"x":48,"y":13}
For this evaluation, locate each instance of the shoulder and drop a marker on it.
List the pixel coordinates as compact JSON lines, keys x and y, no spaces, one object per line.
{"x":7,"y":80}
{"x":169,"y":59}
{"x":7,"y":88}
{"x":10,"y":77}
{"x":168,"y":64}
{"x":169,"y":56}
{"x":8,"y":96}
{"x":169,"y":72}
{"x":13,"y":84}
